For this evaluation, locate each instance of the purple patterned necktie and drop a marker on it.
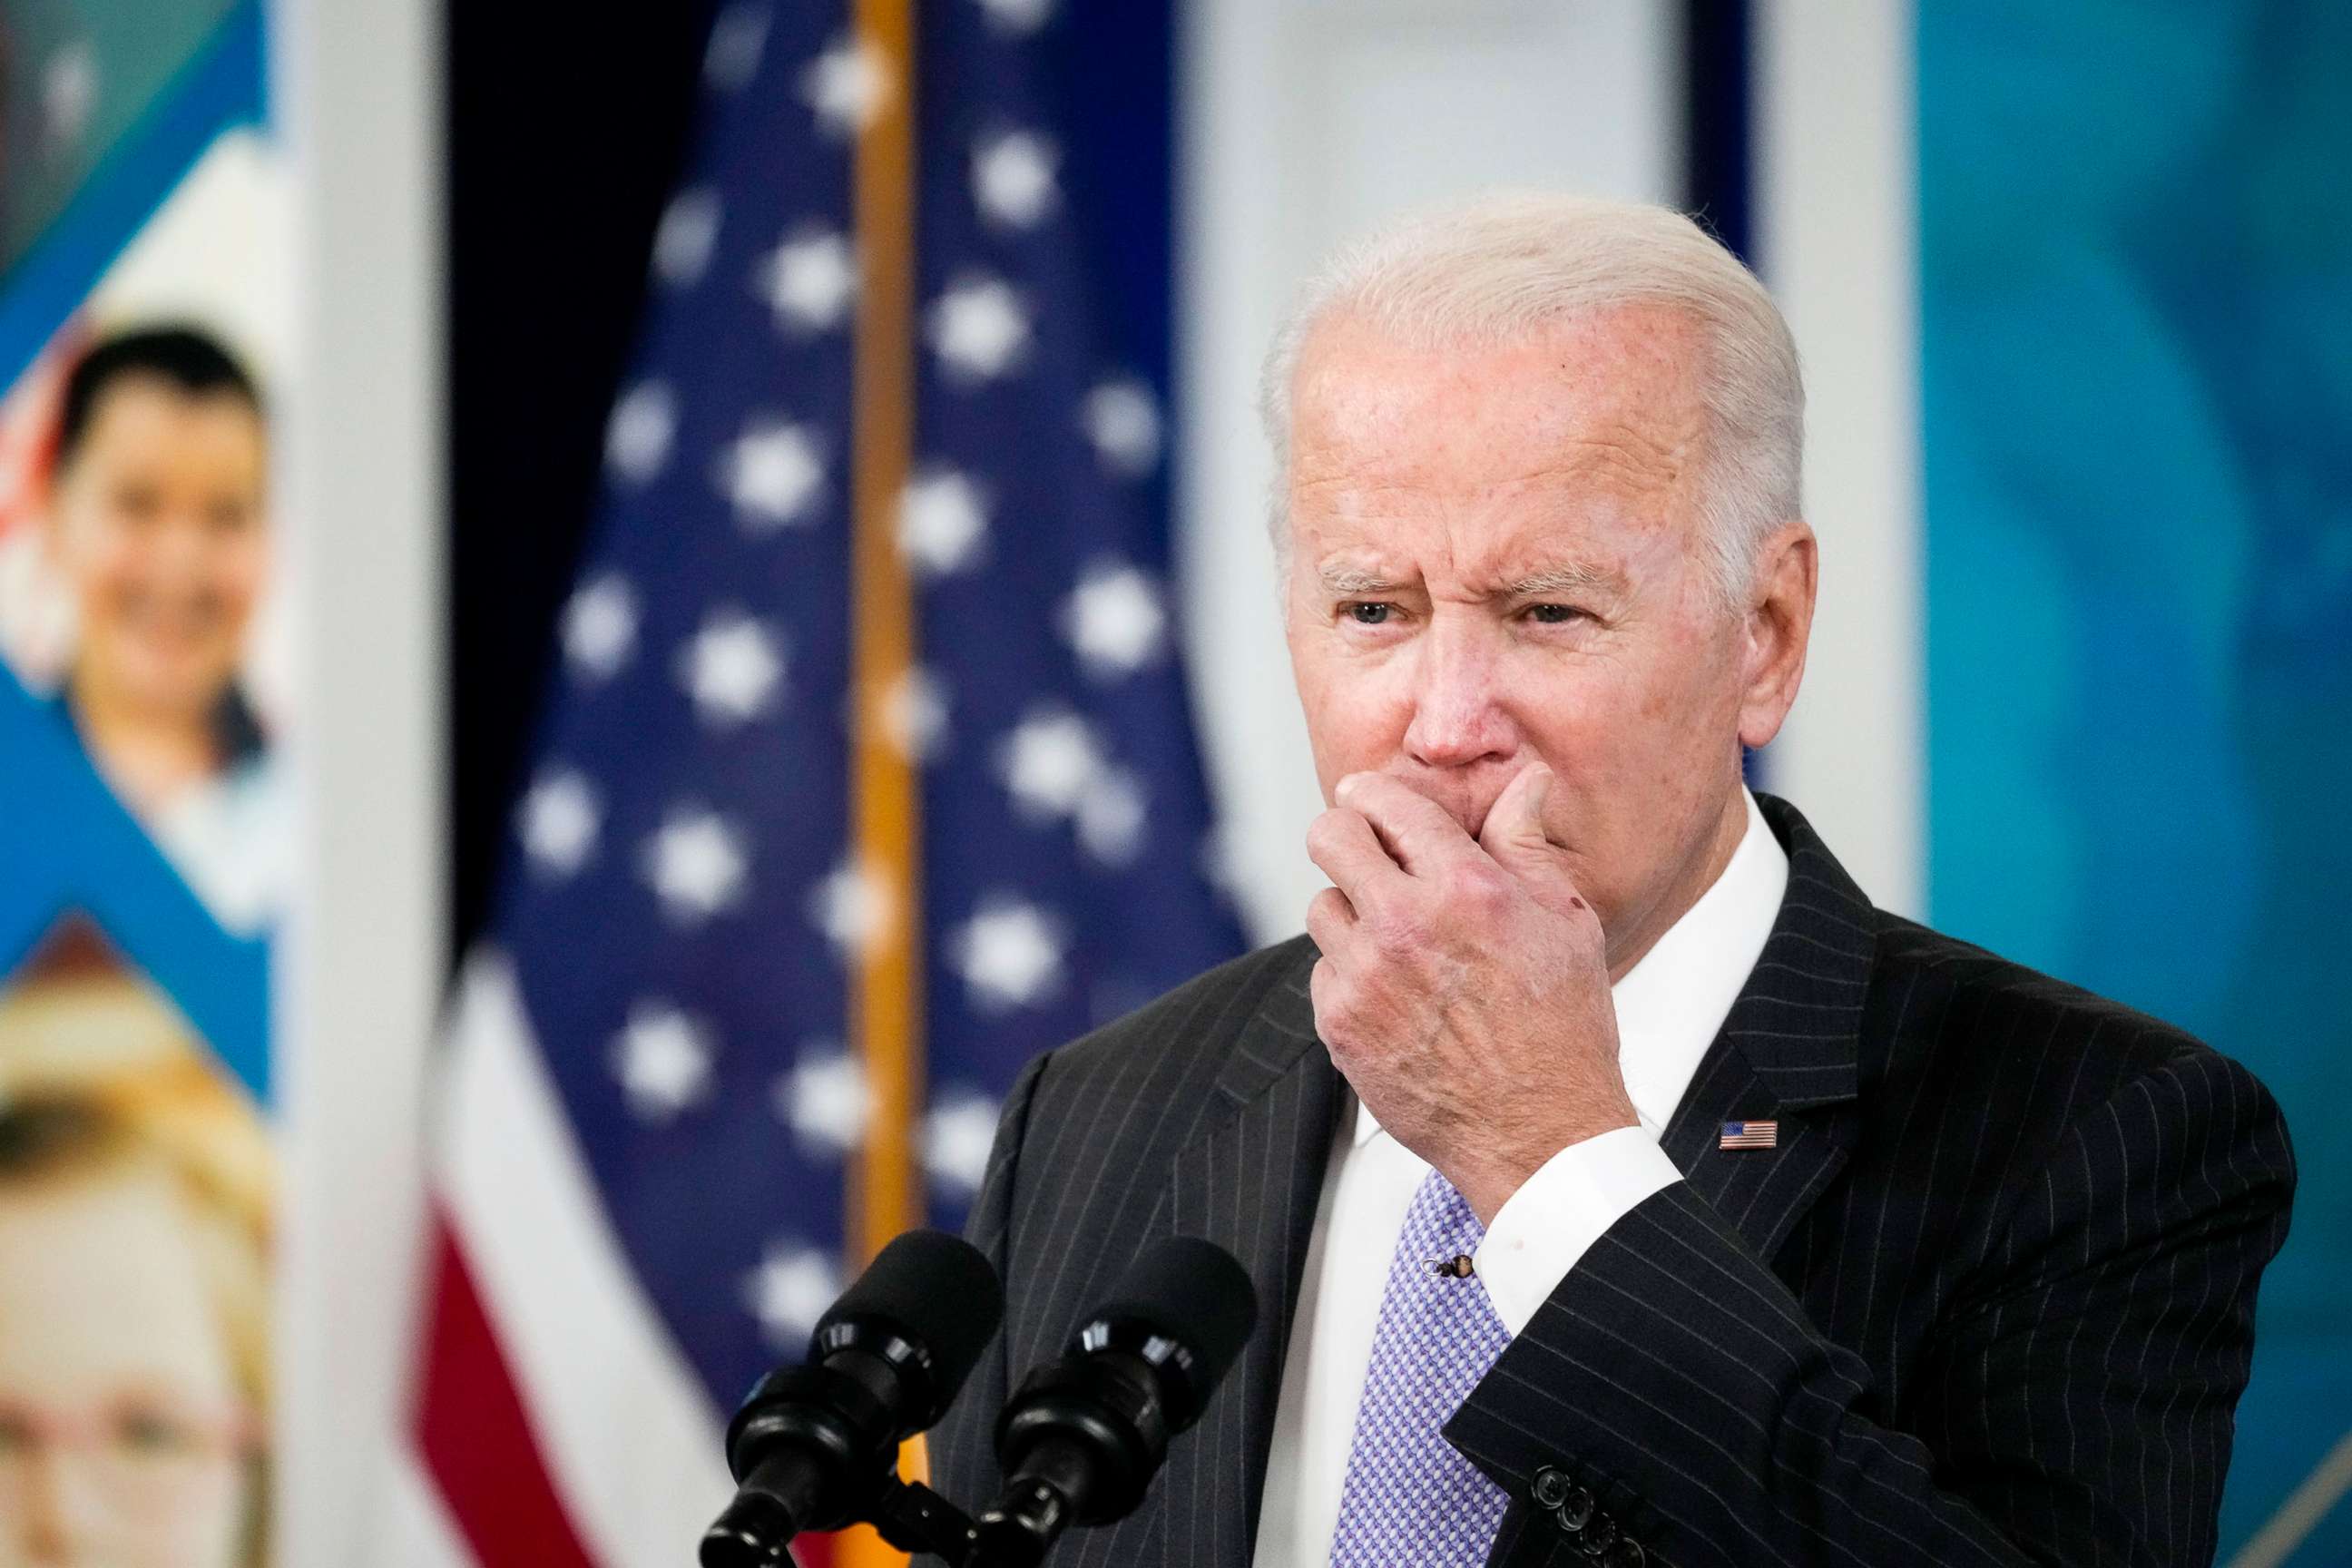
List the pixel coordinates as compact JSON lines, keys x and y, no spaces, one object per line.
{"x":1411,"y":1499}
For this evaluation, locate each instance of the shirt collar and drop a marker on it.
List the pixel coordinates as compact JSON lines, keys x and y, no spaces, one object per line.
{"x":1671,"y":1005}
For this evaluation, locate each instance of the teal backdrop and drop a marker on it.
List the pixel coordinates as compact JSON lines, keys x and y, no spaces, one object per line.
{"x":2136,"y":292}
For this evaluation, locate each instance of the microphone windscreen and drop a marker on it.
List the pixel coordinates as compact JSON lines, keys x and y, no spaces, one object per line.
{"x":933,"y":1288}
{"x":1195,"y":1292}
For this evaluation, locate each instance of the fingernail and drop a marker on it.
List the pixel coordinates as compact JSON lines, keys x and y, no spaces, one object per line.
{"x":1345,"y":787}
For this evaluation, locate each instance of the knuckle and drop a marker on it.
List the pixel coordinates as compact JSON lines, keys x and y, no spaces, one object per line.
{"x":1478,"y":884}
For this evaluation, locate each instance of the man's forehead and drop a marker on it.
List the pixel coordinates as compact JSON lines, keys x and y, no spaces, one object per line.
{"x":1555,"y":411}
{"x":1639,"y":349}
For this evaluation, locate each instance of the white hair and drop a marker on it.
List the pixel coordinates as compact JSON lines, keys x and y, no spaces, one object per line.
{"x":1501,"y":268}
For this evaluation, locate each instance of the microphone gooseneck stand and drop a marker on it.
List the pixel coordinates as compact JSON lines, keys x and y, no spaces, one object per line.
{"x":813,"y":1445}
{"x":1079,"y":1441}
{"x":1082,"y":1438}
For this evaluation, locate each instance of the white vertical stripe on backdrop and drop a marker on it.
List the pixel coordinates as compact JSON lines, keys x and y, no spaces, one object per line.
{"x":1835,"y":201}
{"x":1302,"y":124}
{"x":357,"y":971}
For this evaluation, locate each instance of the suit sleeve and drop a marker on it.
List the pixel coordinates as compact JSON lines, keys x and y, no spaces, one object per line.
{"x":2073,"y":1406}
{"x":963,"y":1445}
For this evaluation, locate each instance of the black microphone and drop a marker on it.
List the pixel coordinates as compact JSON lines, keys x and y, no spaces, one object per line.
{"x":815,"y":1443}
{"x":1082,"y":1438}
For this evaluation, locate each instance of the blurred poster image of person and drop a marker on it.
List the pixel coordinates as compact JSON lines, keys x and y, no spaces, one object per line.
{"x":157,"y":530}
{"x":128,"y":1383}
{"x":134,"y":1341}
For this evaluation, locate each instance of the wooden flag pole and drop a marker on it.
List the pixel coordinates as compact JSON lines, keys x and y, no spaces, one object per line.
{"x":887,"y":995}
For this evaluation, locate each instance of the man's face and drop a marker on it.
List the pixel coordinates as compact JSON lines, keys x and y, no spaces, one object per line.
{"x":157,"y":522}
{"x":1497,"y":559}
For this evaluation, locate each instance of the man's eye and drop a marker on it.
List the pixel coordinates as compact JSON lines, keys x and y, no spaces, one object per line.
{"x":1553,"y":615}
{"x":1369,"y":612}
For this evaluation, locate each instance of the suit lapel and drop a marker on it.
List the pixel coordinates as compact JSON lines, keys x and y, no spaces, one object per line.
{"x":1788,"y":1052}
{"x":1250,"y":1186}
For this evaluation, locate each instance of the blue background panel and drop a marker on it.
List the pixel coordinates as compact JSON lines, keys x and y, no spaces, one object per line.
{"x":2136,"y":268}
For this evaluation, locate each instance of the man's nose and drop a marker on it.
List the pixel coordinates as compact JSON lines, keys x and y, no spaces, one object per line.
{"x":1459,"y":714}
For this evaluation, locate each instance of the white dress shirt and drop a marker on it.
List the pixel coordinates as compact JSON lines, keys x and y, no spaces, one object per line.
{"x":1670,"y":1007}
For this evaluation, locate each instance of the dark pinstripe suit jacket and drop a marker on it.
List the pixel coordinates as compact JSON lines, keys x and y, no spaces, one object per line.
{"x":1990,"y":1300}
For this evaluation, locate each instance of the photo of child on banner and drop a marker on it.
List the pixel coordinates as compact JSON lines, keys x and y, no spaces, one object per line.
{"x":136,"y":549}
{"x":135,"y":1200}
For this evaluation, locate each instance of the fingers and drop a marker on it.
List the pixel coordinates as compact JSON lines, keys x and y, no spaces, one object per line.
{"x":1331,"y":922}
{"x":1322,"y":984}
{"x":1513,"y":838}
{"x":1342,"y":843}
{"x":1419,"y":834}
{"x":1514,"y":828}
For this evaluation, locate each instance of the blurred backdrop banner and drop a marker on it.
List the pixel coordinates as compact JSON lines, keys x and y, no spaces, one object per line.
{"x":866,"y":774}
{"x":2136,"y":340}
{"x":144,"y":834}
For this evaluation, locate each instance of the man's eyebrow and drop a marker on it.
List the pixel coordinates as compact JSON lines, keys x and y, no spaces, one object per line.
{"x":1344,"y":580}
{"x":1559,"y":579}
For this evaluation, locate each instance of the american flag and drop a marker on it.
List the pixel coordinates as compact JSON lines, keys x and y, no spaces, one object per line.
{"x":869,"y":774}
{"x":1749,"y":1135}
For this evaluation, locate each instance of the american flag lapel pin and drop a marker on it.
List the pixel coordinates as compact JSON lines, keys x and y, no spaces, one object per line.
{"x":1749,"y":1135}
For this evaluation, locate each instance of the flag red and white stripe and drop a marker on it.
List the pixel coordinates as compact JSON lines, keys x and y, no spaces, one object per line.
{"x":556,"y":1421}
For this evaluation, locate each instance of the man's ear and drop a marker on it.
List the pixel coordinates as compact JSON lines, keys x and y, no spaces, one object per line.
{"x":1779,"y":622}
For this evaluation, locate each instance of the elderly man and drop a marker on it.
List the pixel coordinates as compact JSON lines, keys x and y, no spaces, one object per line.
{"x":1618,"y":1183}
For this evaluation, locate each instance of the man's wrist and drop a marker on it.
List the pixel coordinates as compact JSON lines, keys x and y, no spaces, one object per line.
{"x":1544,"y":1228}
{"x":1487,"y":1185}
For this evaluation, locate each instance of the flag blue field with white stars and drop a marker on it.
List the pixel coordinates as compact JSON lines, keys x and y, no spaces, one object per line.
{"x":681,"y":907}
